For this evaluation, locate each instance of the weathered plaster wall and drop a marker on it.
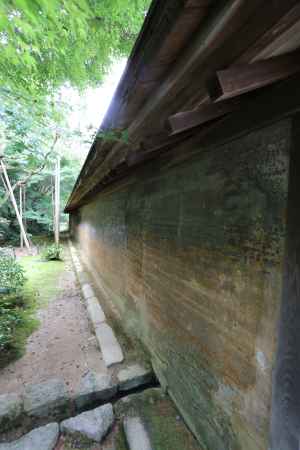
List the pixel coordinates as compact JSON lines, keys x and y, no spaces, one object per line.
{"x":191,"y":256}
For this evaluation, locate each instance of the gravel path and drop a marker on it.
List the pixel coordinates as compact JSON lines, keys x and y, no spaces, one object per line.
{"x":63,"y":346}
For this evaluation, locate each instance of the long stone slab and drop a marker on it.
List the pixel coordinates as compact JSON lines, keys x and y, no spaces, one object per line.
{"x":94,"y":387}
{"x":134,"y":376}
{"x":110,"y":347}
{"x":11,"y":406}
{"x":82,"y":277}
{"x":43,"y":438}
{"x":46,"y":399}
{"x":136,"y":434}
{"x":87,"y":291}
{"x":95,"y":312}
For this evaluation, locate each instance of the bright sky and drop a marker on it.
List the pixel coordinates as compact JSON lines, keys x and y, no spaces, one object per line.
{"x":90,"y":107}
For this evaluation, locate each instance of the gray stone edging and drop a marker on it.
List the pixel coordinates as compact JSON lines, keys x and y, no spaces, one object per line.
{"x":136,"y":434}
{"x":110,"y":348}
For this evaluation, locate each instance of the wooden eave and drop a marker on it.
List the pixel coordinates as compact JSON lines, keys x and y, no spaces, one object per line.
{"x":168,"y":70}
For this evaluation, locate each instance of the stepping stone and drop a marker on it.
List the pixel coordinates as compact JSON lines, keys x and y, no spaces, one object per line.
{"x":95,"y":312}
{"x":136,"y":434}
{"x":87,"y":291}
{"x":46,"y":399}
{"x":134,"y":376}
{"x":110,"y":348}
{"x":94,"y":387}
{"x":93,"y":424}
{"x":10,"y":409}
{"x":43,"y":438}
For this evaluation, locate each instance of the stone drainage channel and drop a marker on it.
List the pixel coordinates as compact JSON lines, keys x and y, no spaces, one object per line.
{"x":49,"y":411}
{"x":48,"y":408}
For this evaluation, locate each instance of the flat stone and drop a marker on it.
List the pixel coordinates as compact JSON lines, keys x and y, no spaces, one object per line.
{"x":87,"y":291}
{"x":134,"y":376}
{"x":136,"y":434}
{"x":46,"y":399}
{"x":43,"y":438}
{"x":11,"y":406}
{"x":92,"y":424}
{"x":95,"y":312}
{"x":94,"y":387}
{"x":110,"y":348}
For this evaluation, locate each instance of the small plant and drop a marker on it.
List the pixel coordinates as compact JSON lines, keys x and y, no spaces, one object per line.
{"x":52,"y":252}
{"x":12,"y":275}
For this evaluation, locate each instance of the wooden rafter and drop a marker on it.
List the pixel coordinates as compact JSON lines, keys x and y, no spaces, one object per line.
{"x":189,"y":119}
{"x":241,"y":78}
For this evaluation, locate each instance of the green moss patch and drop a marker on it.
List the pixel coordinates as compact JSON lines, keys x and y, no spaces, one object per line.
{"x":166,"y":428}
{"x":42,"y":278}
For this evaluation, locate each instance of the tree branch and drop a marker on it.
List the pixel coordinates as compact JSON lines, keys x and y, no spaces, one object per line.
{"x":33,"y":172}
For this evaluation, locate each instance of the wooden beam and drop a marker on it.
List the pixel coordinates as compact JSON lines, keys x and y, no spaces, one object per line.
{"x":271,"y":39}
{"x":189,"y":119}
{"x":241,"y":78}
{"x":275,"y":103}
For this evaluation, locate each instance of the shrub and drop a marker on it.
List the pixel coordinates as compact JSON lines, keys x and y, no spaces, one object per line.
{"x":12,"y":275}
{"x":52,"y":252}
{"x":16,"y":322}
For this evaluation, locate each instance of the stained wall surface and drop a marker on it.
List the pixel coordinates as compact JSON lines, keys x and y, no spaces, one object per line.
{"x":190,"y":254}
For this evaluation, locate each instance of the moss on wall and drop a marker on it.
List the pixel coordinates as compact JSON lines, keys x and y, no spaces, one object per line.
{"x":191,"y":255}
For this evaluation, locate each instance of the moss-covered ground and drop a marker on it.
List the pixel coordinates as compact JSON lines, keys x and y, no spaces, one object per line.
{"x":42,"y":278}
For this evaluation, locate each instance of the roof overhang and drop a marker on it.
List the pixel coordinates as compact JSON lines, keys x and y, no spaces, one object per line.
{"x":182,"y":45}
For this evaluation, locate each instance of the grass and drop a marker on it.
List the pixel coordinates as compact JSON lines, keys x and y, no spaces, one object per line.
{"x":41,"y":286}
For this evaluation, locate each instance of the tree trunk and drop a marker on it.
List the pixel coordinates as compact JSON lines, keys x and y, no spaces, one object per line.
{"x":13,"y":200}
{"x":57,"y":201}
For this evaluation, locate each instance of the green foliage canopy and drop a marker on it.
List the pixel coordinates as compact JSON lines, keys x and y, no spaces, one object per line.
{"x":36,"y":132}
{"x":46,"y":43}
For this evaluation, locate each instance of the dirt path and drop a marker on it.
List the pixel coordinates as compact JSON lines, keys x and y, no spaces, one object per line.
{"x":63,"y":346}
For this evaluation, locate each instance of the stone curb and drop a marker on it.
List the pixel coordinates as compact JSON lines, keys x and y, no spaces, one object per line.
{"x":108,"y":343}
{"x":136,"y":434}
{"x":133,"y":377}
{"x":110,"y":348}
{"x":95,"y":312}
{"x":87,"y":291}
